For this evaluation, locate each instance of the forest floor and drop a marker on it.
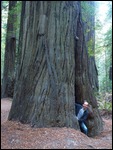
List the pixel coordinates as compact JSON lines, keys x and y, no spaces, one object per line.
{"x":15,"y":135}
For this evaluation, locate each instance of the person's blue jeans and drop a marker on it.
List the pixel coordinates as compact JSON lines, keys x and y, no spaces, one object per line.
{"x":83,"y":127}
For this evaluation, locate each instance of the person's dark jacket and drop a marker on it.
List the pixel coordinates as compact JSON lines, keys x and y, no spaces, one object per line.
{"x":85,"y":115}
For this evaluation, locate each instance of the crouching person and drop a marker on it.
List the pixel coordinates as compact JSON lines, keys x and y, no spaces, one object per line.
{"x":82,"y":113}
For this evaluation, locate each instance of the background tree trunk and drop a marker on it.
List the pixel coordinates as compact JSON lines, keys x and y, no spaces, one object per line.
{"x":110,"y":73}
{"x":50,"y":64}
{"x":10,"y":50}
{"x":86,"y":80}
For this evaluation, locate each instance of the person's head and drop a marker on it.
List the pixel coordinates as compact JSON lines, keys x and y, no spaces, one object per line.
{"x":85,"y":105}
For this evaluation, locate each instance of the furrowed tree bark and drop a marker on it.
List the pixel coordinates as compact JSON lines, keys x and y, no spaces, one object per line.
{"x":9,"y":58}
{"x":45,"y":92}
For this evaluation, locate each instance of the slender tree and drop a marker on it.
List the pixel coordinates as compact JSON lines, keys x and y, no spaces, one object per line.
{"x":108,"y":49}
{"x":9,"y":58}
{"x":104,"y":51}
{"x":4,"y":13}
{"x":53,"y":66}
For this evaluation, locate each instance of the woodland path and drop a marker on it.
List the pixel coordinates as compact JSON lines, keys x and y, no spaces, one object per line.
{"x":15,"y":135}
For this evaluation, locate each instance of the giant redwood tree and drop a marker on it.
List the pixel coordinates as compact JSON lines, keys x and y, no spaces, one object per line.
{"x":54,"y":69}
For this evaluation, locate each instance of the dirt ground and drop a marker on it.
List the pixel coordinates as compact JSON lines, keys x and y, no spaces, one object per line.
{"x":15,"y":135}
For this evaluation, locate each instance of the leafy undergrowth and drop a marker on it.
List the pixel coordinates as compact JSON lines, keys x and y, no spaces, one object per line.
{"x":105,"y":101}
{"x":15,"y":135}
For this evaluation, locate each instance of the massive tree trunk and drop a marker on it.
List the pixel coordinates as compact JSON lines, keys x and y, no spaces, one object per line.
{"x":10,"y":50}
{"x":48,"y":71}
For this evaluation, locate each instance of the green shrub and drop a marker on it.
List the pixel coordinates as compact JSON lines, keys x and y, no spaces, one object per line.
{"x":103,"y":104}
